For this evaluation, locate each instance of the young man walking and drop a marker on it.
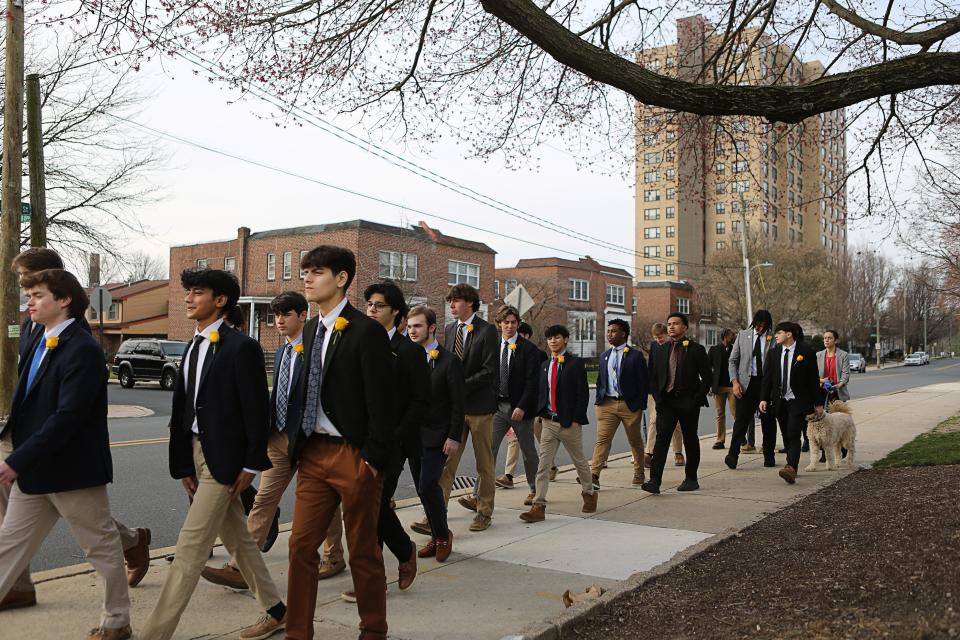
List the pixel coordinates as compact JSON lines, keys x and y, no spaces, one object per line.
{"x":289,"y":313}
{"x":791,"y":390}
{"x":513,"y":447}
{"x":60,"y":463}
{"x":681,"y":380}
{"x":343,"y":445}
{"x":218,"y":444}
{"x":441,"y":430}
{"x":621,"y":398}
{"x":562,"y":404}
{"x":721,"y":386}
{"x":659,"y":334}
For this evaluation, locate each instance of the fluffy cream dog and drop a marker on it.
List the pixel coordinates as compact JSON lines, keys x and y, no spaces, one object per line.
{"x":831,"y":433}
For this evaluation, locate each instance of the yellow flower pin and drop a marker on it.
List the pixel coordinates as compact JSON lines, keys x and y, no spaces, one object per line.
{"x":561,"y":359}
{"x":513,"y":347}
{"x":298,"y":348}
{"x":686,"y":343}
{"x":769,"y":338}
{"x":52,"y":342}
{"x":214,"y":339}
{"x":799,"y":358}
{"x":469,"y":328}
{"x":434,"y":354}
{"x":341,"y":324}
{"x":626,"y":349}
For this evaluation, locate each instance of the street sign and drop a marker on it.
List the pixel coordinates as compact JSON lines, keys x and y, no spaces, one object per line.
{"x":24,"y":213}
{"x":100,"y":299}
{"x":521,"y":299}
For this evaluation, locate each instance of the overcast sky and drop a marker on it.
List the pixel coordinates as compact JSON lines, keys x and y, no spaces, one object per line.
{"x":207,"y":196}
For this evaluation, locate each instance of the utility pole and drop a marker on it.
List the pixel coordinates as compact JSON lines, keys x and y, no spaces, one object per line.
{"x":925,"y":310}
{"x":11,"y":173}
{"x":38,"y":188}
{"x":746,"y":260}
{"x":878,"y":333}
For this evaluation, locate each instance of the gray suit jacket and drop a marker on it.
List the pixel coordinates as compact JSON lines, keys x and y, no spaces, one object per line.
{"x":843,"y":371}
{"x":742,"y":354}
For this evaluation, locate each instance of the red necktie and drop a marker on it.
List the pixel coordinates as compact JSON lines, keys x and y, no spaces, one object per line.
{"x":553,"y":385}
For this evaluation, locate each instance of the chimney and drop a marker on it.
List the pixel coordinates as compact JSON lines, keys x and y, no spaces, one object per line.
{"x":243,"y":233}
{"x":431,"y":233}
{"x":94,"y":274}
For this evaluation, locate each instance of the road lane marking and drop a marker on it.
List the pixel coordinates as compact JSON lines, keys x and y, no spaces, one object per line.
{"x":133,"y":443}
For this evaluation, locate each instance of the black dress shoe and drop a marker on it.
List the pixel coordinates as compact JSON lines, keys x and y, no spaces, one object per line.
{"x":769,"y":462}
{"x":805,"y":448}
{"x":782,"y":450}
{"x":719,"y":445}
{"x":689,"y":485}
{"x":650,"y":486}
{"x":273,"y":533}
{"x":730,"y":461}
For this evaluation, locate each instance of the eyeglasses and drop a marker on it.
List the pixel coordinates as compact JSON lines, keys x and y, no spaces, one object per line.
{"x":375,"y":304}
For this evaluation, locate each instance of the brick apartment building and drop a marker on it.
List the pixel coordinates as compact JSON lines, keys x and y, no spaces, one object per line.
{"x":422,"y":261}
{"x":581,"y":294}
{"x":654,"y":300}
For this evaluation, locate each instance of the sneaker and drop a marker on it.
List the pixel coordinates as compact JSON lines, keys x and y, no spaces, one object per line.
{"x":468,"y":502}
{"x":480,"y":523}
{"x":689,"y":485}
{"x":651,"y":487}
{"x":329,"y":569}
{"x":422,"y":527}
{"x":351,"y":596}
{"x":119,"y":633}
{"x":505,"y":481}
{"x":265,"y":627}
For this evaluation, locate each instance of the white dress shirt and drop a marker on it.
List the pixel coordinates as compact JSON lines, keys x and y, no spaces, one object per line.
{"x":51,"y":333}
{"x":430,"y":347}
{"x":324,"y":425}
{"x":391,"y":333}
{"x":788,"y":392}
{"x":512,"y":340}
{"x":293,"y":360}
{"x":463,"y":329}
{"x":614,"y":366}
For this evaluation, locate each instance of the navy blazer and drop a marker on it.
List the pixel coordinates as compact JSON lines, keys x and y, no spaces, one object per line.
{"x":444,"y":417}
{"x":523,"y":376}
{"x":232,"y":411}
{"x":573,"y":393}
{"x":59,"y":424}
{"x":294,"y":399}
{"x":634,"y":382}
{"x":412,"y":396}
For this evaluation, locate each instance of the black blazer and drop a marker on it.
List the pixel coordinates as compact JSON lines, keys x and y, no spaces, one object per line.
{"x":447,"y":390}
{"x":573,"y":394}
{"x":357,"y":387}
{"x":804,"y":379}
{"x":634,"y":385}
{"x":523,"y":377}
{"x":232,"y":408}
{"x":412,"y":392}
{"x":30,"y":333}
{"x":480,"y":365}
{"x":695,"y":373}
{"x":720,"y":364}
{"x":59,"y":425}
{"x":294,"y":400}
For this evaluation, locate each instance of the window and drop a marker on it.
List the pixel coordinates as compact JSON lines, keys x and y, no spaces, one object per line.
{"x":671,"y":61}
{"x":721,"y":208}
{"x":671,"y":155}
{"x":671,"y":250}
{"x":765,"y":227}
{"x":463,"y":272}
{"x":303,"y":272}
{"x":671,"y":231}
{"x":671,"y":174}
{"x":683,"y":305}
{"x":651,"y":232}
{"x":671,"y":136}
{"x":398,"y":266}
{"x":740,"y":186}
{"x":496,"y":290}
{"x":651,"y":176}
{"x":652,"y":251}
{"x":651,"y":269}
{"x":584,"y":329}
{"x":230,"y":264}
{"x":510,"y":285}
{"x":651,"y":139}
{"x":735,"y":206}
{"x":114,"y":311}
{"x":735,"y":226}
{"x":270,"y":318}
{"x":615,"y":294}
{"x":721,"y":187}
{"x":651,"y":214}
{"x":671,"y":269}
{"x":721,"y":168}
{"x":671,"y":213}
{"x":721,"y":245}
{"x":721,"y":228}
{"x":741,"y":146}
{"x":652,"y":157}
{"x":201,"y":263}
{"x":287,"y":265}
{"x":651,"y":121}
{"x":271,"y":266}
{"x":671,"y":193}
{"x":741,"y":166}
{"x":579,"y":290}
{"x":651,"y":195}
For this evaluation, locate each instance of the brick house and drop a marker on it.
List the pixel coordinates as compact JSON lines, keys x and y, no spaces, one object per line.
{"x":422,"y":261}
{"x":139,"y":310}
{"x":582,"y":294}
{"x":656,"y":299}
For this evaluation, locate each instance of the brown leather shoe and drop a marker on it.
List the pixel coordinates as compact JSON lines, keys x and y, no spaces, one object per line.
{"x":18,"y":600}
{"x":226,"y":576}
{"x":138,"y":558}
{"x":263,"y":628}
{"x":329,"y":569}
{"x":528,"y":501}
{"x":553,"y":473}
{"x":789,"y":474}
{"x":120,"y":633}
{"x":445,"y":547}
{"x":408,"y":570}
{"x":537,"y":513}
{"x":422,"y":527}
{"x":678,"y":460}
{"x":480,"y":523}
{"x":351,"y":596}
{"x":647,"y":460}
{"x":589,"y":502}
{"x":428,"y":550}
{"x":468,"y":502}
{"x":638,"y":475}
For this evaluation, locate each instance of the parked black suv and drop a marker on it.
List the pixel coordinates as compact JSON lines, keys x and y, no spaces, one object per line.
{"x":148,"y":359}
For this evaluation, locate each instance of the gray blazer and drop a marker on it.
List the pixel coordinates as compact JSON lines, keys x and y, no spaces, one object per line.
{"x":742,"y":354}
{"x":843,"y":371}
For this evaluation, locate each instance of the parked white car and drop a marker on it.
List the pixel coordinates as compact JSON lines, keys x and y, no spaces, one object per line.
{"x":924,"y":355}
{"x":858,"y":363}
{"x":914,"y":359}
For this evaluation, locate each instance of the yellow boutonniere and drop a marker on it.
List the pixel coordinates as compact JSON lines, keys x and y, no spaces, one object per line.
{"x":513,"y":347}
{"x":214,"y":339}
{"x":799,"y":358}
{"x":626,"y":349}
{"x":469,"y":328}
{"x":298,"y":349}
{"x":769,"y":338}
{"x":434,"y":354}
{"x":52,"y":342}
{"x":341,"y":324}
{"x":561,"y":359}
{"x":686,"y":343}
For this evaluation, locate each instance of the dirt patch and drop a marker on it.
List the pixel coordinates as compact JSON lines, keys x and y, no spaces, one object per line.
{"x":876,"y":555}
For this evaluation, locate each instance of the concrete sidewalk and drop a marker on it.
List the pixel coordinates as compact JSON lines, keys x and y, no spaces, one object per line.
{"x":507,"y":581}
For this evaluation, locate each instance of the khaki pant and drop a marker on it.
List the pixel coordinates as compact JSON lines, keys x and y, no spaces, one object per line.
{"x":724,"y":396}
{"x":652,"y":430}
{"x":513,"y":448}
{"x":610,"y":414}
{"x":23,"y":581}
{"x":551,"y":438}
{"x":29,"y":519}
{"x":480,"y":427}
{"x":213,"y":513}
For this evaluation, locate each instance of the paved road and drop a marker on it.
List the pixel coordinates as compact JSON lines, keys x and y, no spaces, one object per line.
{"x":144,"y":495}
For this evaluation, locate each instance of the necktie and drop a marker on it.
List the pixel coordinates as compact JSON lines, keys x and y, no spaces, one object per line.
{"x":35,"y":362}
{"x":313,"y":381}
{"x":615,"y":380}
{"x":553,"y":385}
{"x":190,"y":411}
{"x":673,"y":365}
{"x":785,"y":370}
{"x":283,"y":387}
{"x":458,"y":342}
{"x":505,"y":369}
{"x":758,"y":355}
